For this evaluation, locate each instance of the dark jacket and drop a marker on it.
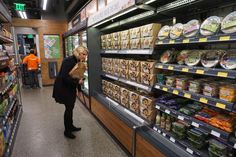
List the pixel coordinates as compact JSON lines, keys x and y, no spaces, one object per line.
{"x":64,"y":90}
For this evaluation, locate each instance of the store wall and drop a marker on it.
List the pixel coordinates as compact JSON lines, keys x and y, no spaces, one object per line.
{"x":44,"y":27}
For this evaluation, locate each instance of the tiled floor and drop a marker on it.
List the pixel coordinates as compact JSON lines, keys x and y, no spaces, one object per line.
{"x":41,"y":130}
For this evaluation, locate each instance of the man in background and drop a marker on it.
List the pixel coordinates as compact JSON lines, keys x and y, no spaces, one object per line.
{"x":32,"y":63}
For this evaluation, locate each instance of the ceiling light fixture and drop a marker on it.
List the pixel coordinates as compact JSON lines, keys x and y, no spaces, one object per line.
{"x":45,"y":4}
{"x":21,"y":14}
{"x":24,"y":14}
{"x":148,"y":2}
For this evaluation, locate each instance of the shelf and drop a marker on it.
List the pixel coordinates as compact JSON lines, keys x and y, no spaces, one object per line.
{"x":5,"y":88}
{"x":131,"y":83}
{"x":199,"y":40}
{"x":194,"y":122}
{"x":5,"y":16}
{"x":8,"y":111}
{"x":198,"y":70}
{"x":134,"y":51}
{"x":184,"y":144}
{"x":197,"y":97}
{"x":4,"y":39}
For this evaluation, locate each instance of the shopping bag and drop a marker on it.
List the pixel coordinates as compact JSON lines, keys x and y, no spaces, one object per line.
{"x":78,"y":70}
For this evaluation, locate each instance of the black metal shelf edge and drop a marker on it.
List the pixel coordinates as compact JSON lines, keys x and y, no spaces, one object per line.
{"x":199,"y":40}
{"x":181,"y":143}
{"x":8,"y":111}
{"x":194,"y":122}
{"x":197,"y":97}
{"x":129,"y":51}
{"x":216,"y":72}
{"x":5,"y":88}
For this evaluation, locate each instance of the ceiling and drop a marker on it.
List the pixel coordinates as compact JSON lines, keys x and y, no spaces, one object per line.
{"x":34,"y":7}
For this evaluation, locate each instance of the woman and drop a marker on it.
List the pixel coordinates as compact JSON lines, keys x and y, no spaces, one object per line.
{"x":64,"y":91}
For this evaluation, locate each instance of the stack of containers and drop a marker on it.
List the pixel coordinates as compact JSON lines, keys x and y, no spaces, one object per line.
{"x":134,"y":102}
{"x":148,"y":72}
{"x":134,"y":71}
{"x":147,"y":107}
{"x":135,"y":34}
{"x":125,"y":39}
{"x":124,"y":68}
{"x":116,"y":67}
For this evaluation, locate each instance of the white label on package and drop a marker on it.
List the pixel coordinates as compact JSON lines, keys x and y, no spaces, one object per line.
{"x":158,"y":107}
{"x":172,"y":139}
{"x":195,"y":124}
{"x":155,"y":128}
{"x":167,"y":111}
{"x":189,"y":150}
{"x":164,"y":134}
{"x":181,"y":117}
{"x":215,"y":133}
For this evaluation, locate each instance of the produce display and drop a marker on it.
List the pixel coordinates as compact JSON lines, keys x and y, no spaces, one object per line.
{"x":197,"y":138}
{"x":211,"y":26}
{"x":228,"y":24}
{"x":217,"y":148}
{"x":191,"y":28}
{"x":176,"y":31}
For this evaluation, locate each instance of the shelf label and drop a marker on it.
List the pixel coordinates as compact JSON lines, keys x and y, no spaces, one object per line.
{"x":172,"y":139}
{"x":170,"y":68}
{"x":159,"y":131}
{"x":157,"y":87}
{"x":160,"y":66}
{"x":186,"y":41}
{"x":175,"y":92}
{"x":160,"y":42}
{"x":215,"y":133}
{"x":204,"y":100}
{"x":195,"y":124}
{"x":165,"y":89}
{"x":158,"y":107}
{"x":167,"y":111}
{"x":172,"y":42}
{"x":185,"y":69}
{"x":222,"y":74}
{"x":203,"y":40}
{"x":189,"y":150}
{"x":164,"y":134}
{"x":220,"y":105}
{"x":200,"y":72}
{"x":155,"y":128}
{"x":224,"y":38}
{"x":186,"y":95}
{"x":180,"y":117}
{"x":235,"y":145}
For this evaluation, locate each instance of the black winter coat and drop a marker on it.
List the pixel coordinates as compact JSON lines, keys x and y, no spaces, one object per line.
{"x":64,"y":89}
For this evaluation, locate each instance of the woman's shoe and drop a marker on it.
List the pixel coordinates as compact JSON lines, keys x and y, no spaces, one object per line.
{"x":69,"y":135}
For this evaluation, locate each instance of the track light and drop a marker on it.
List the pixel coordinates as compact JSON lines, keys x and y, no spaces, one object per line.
{"x":23,"y":14}
{"x":45,"y":4}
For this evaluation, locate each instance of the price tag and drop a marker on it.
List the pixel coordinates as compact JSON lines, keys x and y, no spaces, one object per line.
{"x":181,"y":117}
{"x":158,"y":107}
{"x":159,"y":131}
{"x":189,"y":150}
{"x":175,"y":92}
{"x":235,"y":145}
{"x":200,"y":72}
{"x":155,"y":128}
{"x":160,"y":66}
{"x":195,"y":124}
{"x":185,"y":69}
{"x":215,"y":133}
{"x":164,"y":134}
{"x":172,"y":139}
{"x":203,"y":40}
{"x":160,"y":42}
{"x":172,"y":42}
{"x":170,"y":68}
{"x":222,"y":74}
{"x":225,"y":38}
{"x":167,"y":111}
{"x":186,"y":41}
{"x":157,"y":87}
{"x":223,"y":106}
{"x":204,"y":100}
{"x":165,"y":89}
{"x":186,"y":95}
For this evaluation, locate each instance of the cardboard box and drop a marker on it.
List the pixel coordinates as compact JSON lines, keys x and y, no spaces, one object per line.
{"x":134,"y":97}
{"x":104,"y":45}
{"x":104,"y":68}
{"x":109,"y":62}
{"x":148,"y":42}
{"x":125,"y":35}
{"x":109,"y":45}
{"x":135,"y":43}
{"x":116,"y":36}
{"x":150,"y":115}
{"x":148,"y":102}
{"x":108,"y":37}
{"x":124,"y":101}
{"x":124,"y":64}
{"x":116,"y":72}
{"x":117,"y":89}
{"x":150,"y":30}
{"x":116,"y":45}
{"x":148,"y":67}
{"x":116,"y":97}
{"x":124,"y":92}
{"x":135,"y":33}
{"x":148,"y":79}
{"x":124,"y":73}
{"x":134,"y":65}
{"x":116,"y":63}
{"x":134,"y":106}
{"x":103,"y":38}
{"x":134,"y":76}
{"x":125,"y":44}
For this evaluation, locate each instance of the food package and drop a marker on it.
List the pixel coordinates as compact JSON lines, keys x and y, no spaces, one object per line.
{"x":148,"y":79}
{"x":228,"y":93}
{"x":104,"y":68}
{"x":124,"y":64}
{"x":103,"y":38}
{"x":147,"y":43}
{"x":125,"y":35}
{"x":150,"y":115}
{"x":148,"y":67}
{"x":135,"y":33}
{"x":124,"y":73}
{"x":134,"y":76}
{"x":171,"y":81}
{"x":191,"y":28}
{"x":195,"y":86}
{"x":148,"y":102}
{"x":124,"y":92}
{"x":197,"y":138}
{"x":116,"y":45}
{"x":168,"y":56}
{"x":150,"y":30}
{"x":228,"y":24}
{"x":212,"y":58}
{"x":108,"y":37}
{"x":172,"y":102}
{"x":211,"y":25}
{"x":116,"y":36}
{"x":116,"y":72}
{"x":134,"y":65}
{"x":224,"y":122}
{"x":104,"y":45}
{"x":161,"y":78}
{"x":134,"y":106}
{"x":110,"y":70}
{"x":205,"y":114}
{"x":179,"y":129}
{"x":109,"y":45}
{"x":228,"y":60}
{"x":211,"y":89}
{"x":115,"y":63}
{"x":182,"y":82}
{"x":176,"y":31}
{"x":124,"y":101}
{"x":116,"y":93}
{"x":125,"y":44}
{"x":182,"y":56}
{"x":217,"y":149}
{"x":194,"y":57}
{"x":134,"y":97}
{"x":164,"y":32}
{"x":135,"y":43}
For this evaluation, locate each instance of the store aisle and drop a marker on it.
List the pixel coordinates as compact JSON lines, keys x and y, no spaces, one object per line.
{"x":41,"y":130}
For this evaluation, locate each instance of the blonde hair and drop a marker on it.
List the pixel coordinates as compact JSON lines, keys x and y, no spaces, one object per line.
{"x":79,"y":49}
